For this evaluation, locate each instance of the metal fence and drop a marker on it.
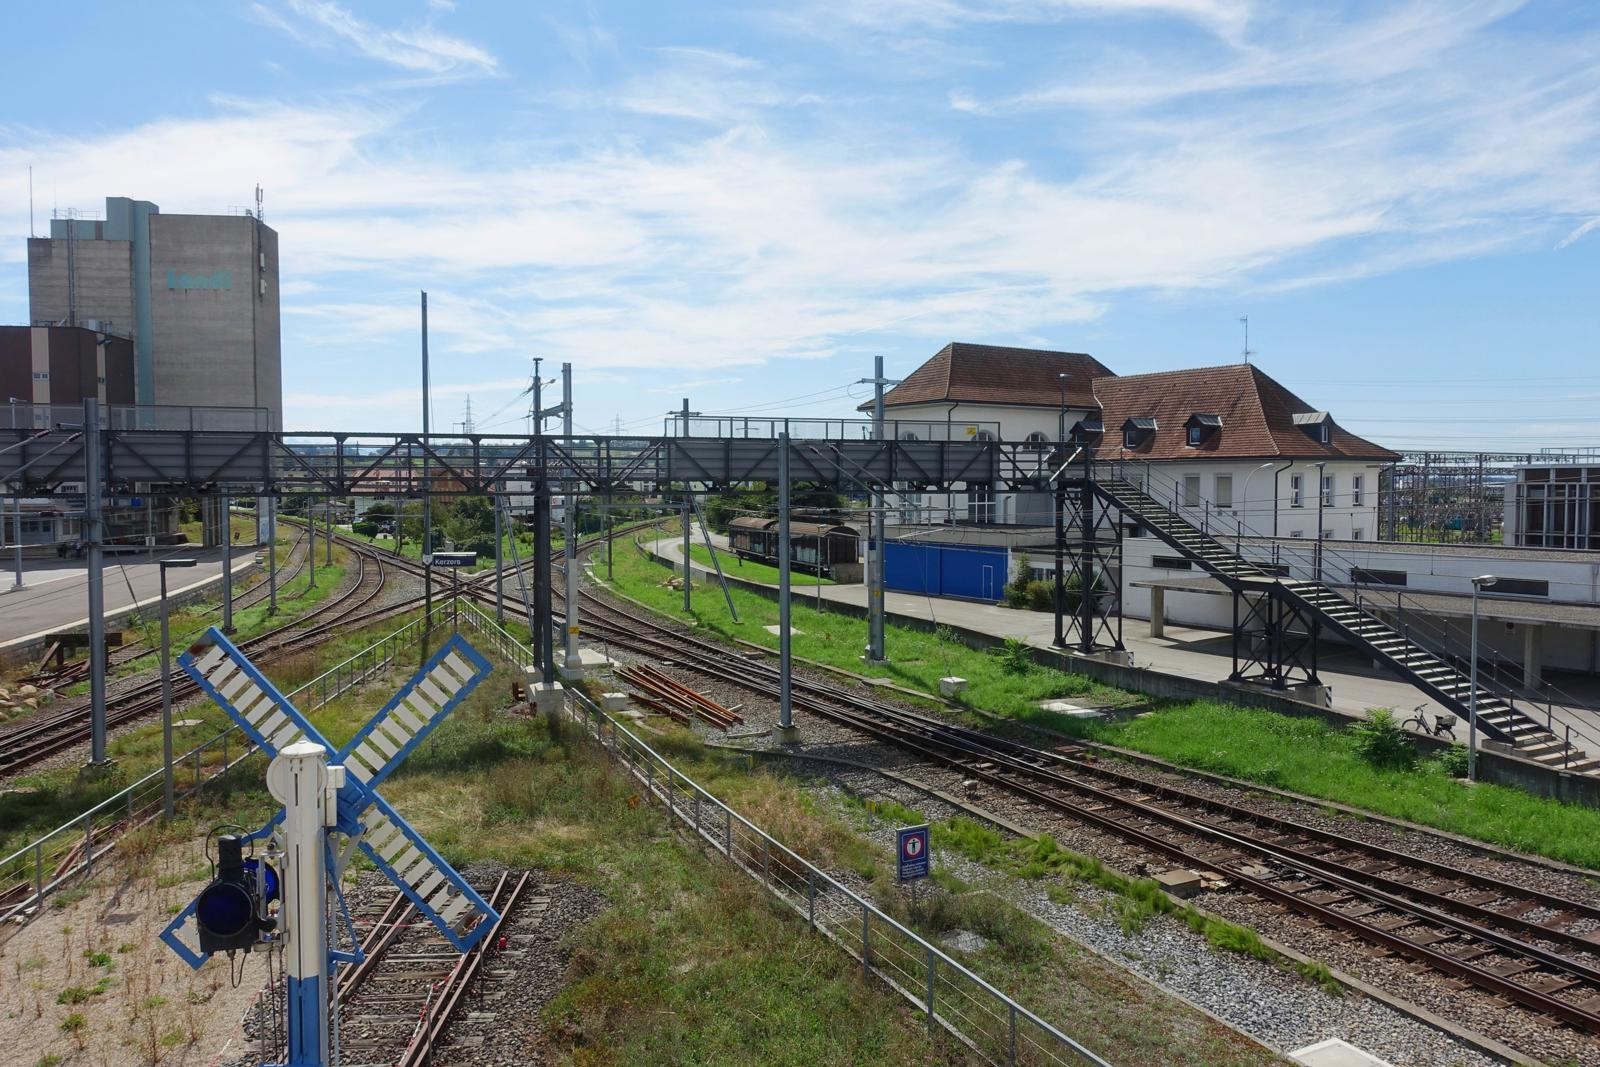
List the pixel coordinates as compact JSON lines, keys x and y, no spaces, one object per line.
{"x":44,"y":865}
{"x":983,"y":1018}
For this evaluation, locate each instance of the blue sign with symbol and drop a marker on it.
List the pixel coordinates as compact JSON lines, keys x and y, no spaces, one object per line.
{"x":911,"y":851}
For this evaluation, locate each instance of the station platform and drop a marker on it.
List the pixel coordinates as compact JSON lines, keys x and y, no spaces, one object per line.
{"x":55,"y":595}
{"x":1203,"y":654}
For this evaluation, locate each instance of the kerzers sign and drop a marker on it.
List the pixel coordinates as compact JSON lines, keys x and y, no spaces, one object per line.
{"x":222,"y":279}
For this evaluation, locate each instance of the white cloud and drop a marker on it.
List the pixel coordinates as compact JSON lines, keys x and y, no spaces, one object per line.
{"x":420,"y":49}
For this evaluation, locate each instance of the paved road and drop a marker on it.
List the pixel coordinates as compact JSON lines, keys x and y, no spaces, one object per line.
{"x":1187,"y":651}
{"x":55,"y":594}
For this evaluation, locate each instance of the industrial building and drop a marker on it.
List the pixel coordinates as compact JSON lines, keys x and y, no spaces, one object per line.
{"x":197,"y":295}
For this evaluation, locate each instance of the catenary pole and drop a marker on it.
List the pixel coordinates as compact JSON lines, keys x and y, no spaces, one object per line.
{"x":227,"y":564}
{"x":94,"y":536}
{"x":569,"y":528}
{"x":875,"y":605}
{"x":499,"y":560}
{"x":785,"y":658}
{"x":427,"y":497}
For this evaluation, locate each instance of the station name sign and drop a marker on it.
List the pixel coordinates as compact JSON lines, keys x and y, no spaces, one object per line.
{"x":222,"y":279}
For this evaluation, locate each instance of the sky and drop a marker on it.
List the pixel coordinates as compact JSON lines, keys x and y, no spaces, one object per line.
{"x":743,"y":204}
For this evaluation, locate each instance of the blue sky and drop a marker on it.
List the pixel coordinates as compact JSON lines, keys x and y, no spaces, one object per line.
{"x":743,"y":204}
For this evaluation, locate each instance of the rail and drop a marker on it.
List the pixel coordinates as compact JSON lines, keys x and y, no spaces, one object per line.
{"x":983,"y":1018}
{"x":33,"y":872}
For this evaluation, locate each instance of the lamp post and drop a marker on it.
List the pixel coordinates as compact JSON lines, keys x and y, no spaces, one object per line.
{"x":1482,"y":581}
{"x":1244,"y":500}
{"x":1322,"y":498}
{"x":166,"y":688}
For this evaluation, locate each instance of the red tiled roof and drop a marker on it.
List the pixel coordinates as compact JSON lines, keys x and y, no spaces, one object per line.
{"x":1257,"y":417}
{"x":990,"y":374}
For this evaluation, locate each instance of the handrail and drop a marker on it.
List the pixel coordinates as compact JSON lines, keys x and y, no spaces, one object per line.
{"x":879,"y":934}
{"x":1489,"y":680}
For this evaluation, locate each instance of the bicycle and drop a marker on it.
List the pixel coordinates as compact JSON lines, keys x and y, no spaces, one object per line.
{"x":1443,"y":723}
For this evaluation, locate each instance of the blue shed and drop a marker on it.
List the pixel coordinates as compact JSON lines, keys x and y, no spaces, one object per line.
{"x":970,"y":572}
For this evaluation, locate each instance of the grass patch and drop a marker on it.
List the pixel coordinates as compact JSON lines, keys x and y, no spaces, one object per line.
{"x":748,"y":569}
{"x":1312,"y":757}
{"x":1300,"y":754}
{"x":920,"y":658}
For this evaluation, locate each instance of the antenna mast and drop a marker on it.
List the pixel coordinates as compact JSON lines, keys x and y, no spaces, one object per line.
{"x":1248,"y":351}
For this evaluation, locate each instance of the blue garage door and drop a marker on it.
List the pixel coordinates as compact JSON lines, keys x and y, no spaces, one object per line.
{"x":972,"y":572}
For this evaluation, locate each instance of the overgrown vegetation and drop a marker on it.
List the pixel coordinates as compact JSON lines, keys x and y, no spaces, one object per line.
{"x":1305,"y":755}
{"x":1382,"y":742}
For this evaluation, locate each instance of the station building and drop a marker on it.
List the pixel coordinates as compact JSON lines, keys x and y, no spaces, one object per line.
{"x":1239,"y":455}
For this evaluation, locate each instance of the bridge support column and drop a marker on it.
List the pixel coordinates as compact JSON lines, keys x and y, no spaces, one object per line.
{"x":1158,"y":612}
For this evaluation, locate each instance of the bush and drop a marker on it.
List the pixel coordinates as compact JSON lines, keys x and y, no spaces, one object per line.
{"x":1016,"y":656}
{"x":1452,"y":762}
{"x":1382,"y":742}
{"x":365,"y":527}
{"x":1041,"y":595}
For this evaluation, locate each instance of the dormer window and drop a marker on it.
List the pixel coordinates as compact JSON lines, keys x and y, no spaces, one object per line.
{"x":1201,"y":428}
{"x":1317,"y":425}
{"x":1087,"y":432}
{"x":1138,"y":432}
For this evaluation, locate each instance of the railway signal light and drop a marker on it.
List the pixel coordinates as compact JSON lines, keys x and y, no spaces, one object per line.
{"x":231,"y":913}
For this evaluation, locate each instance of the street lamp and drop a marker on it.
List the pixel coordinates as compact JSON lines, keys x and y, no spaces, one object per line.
{"x":1322,"y":498}
{"x":166,"y":688}
{"x":1482,"y":581}
{"x":1244,"y":499}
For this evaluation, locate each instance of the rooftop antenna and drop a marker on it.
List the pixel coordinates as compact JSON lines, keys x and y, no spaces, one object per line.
{"x":259,"y":197}
{"x":30,"y":203}
{"x":466,"y":422}
{"x":1248,"y":351}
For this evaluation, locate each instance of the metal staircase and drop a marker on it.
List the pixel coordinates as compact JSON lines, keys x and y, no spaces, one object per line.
{"x":1498,"y":714}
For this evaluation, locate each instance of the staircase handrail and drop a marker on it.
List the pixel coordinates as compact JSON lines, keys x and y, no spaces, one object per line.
{"x":1489,"y":680}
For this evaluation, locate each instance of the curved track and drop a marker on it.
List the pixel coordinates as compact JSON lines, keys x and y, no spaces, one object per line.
{"x":47,"y":734}
{"x":1521,"y":944}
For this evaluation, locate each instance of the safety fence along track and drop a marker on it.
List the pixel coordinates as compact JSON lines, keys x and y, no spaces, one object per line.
{"x":1526,"y":946}
{"x":987,"y":1021}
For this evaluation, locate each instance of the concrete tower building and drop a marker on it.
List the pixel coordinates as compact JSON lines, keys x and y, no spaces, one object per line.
{"x":197,"y":295}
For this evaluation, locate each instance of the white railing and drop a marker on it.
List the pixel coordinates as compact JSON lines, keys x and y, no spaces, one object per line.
{"x":983,"y":1018}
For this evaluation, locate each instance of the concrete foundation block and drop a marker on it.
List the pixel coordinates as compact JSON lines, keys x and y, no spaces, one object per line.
{"x":952,"y":686}
{"x":1180,"y":882}
{"x":789,"y":735}
{"x":547,"y":697}
{"x":570,"y":674}
{"x":613,"y":701}
{"x":1335,"y":1052}
{"x":1116,"y":657}
{"x":775,"y":630}
{"x":1320,"y":695}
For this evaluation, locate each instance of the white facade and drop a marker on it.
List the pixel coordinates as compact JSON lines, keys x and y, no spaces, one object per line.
{"x":1279,"y":497}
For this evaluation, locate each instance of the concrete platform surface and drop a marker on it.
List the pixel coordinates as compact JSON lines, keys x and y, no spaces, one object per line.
{"x":55,"y":593}
{"x":1189,"y":652}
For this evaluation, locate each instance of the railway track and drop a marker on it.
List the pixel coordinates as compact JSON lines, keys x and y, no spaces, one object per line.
{"x":45,"y":735}
{"x":405,"y":1000}
{"x":78,"y":670}
{"x":1523,"y":945}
